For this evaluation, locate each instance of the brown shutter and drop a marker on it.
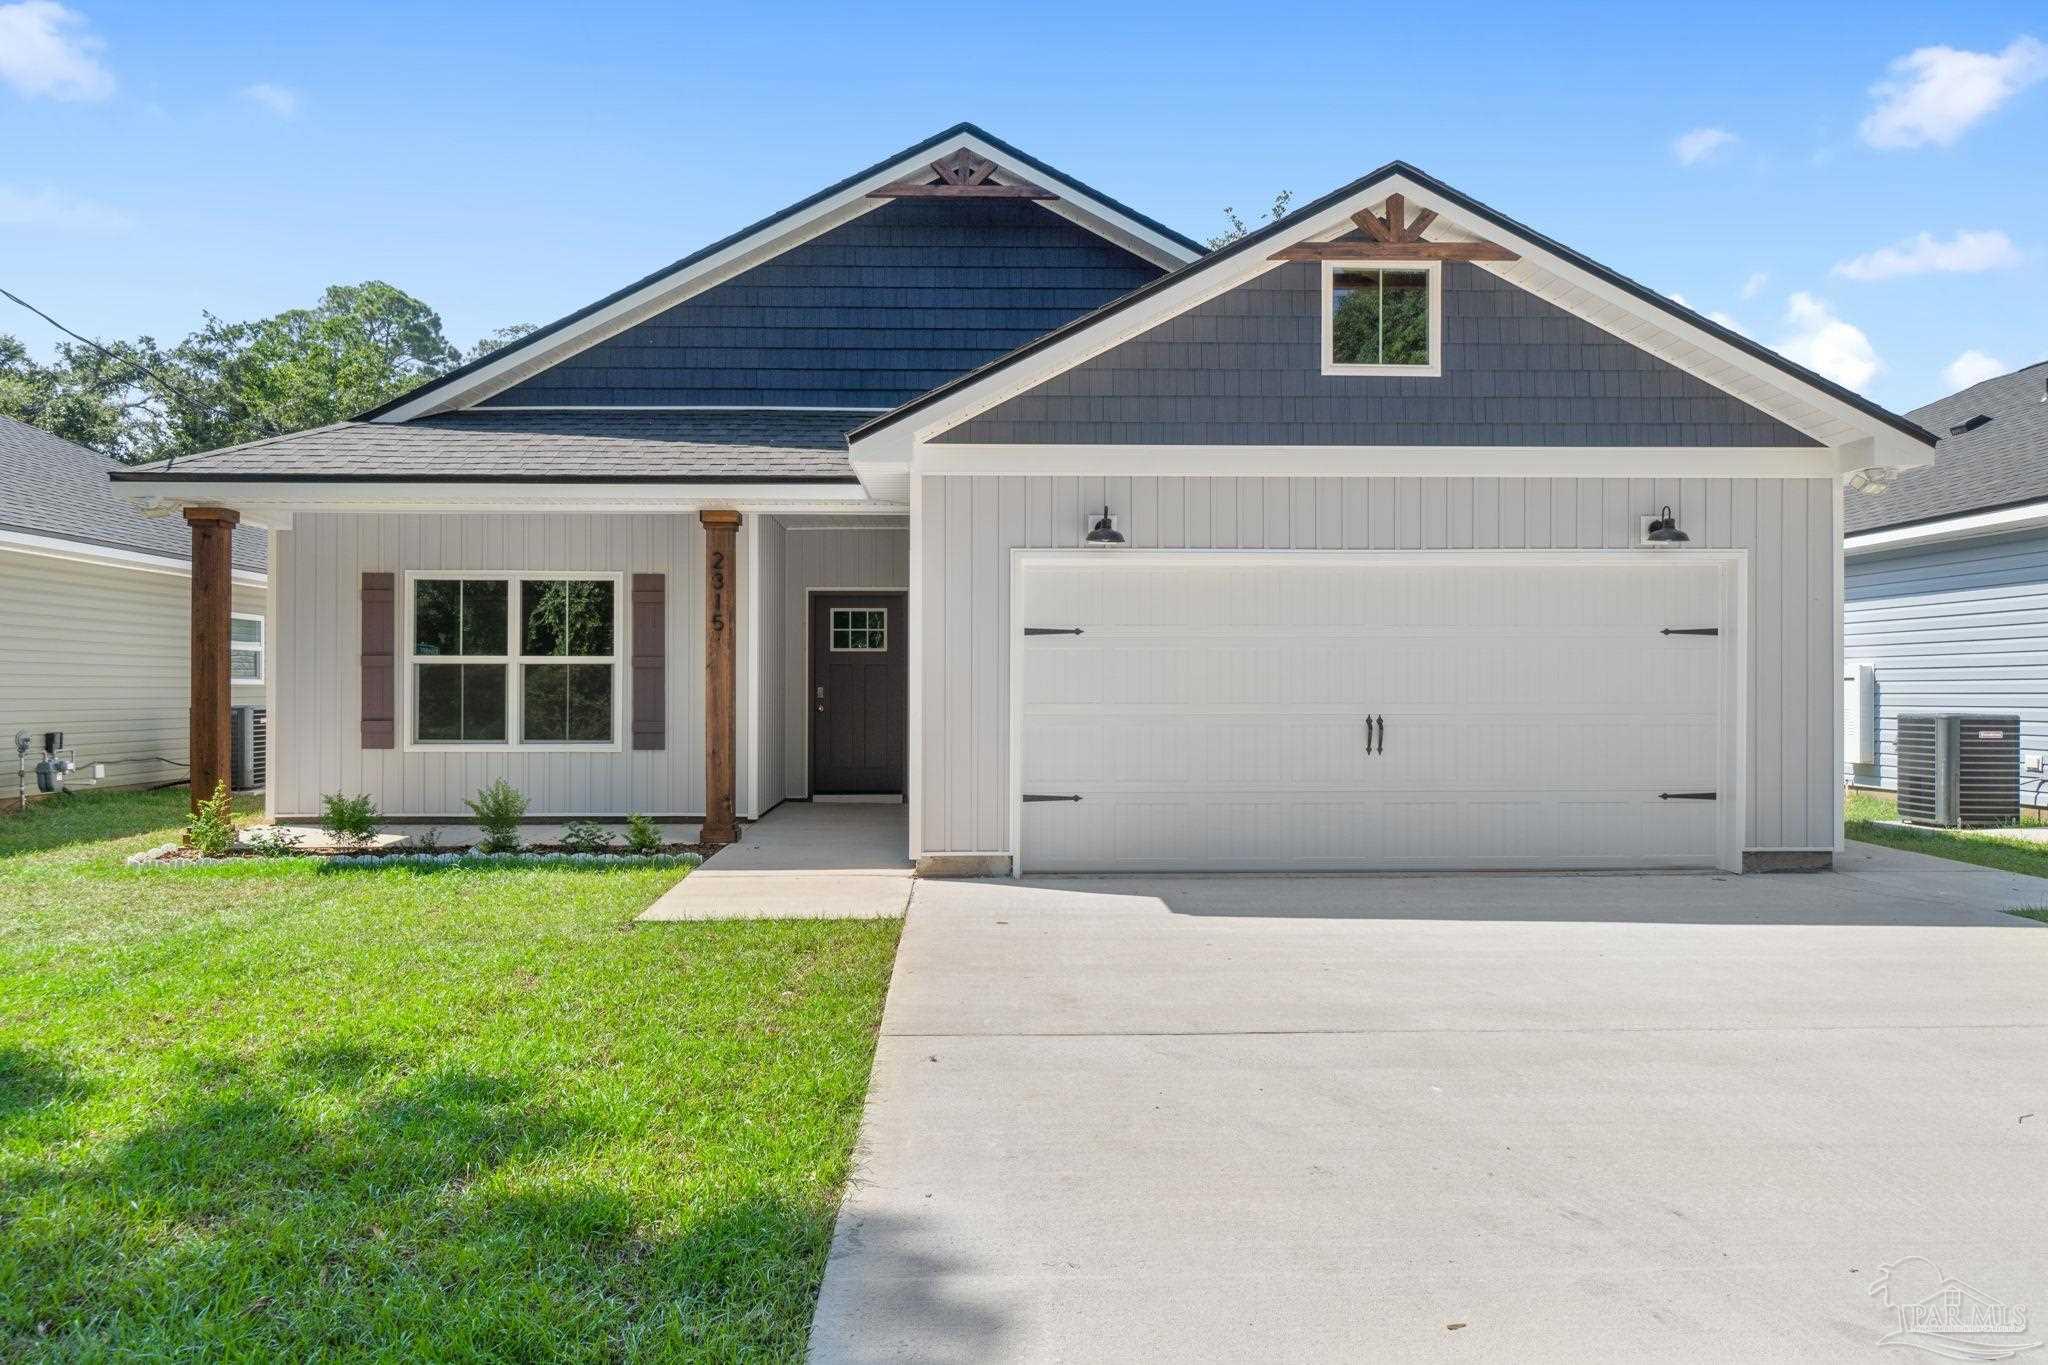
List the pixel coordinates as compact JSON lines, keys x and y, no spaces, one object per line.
{"x":650,"y":661}
{"x":380,"y":631}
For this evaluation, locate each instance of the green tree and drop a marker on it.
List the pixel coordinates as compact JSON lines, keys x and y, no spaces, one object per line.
{"x":503,"y":337}
{"x":1239,"y":228}
{"x":62,"y":398}
{"x":229,"y":382}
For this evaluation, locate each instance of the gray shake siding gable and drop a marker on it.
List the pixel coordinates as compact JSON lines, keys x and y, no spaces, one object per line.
{"x":1245,"y":368}
{"x":870,"y":314}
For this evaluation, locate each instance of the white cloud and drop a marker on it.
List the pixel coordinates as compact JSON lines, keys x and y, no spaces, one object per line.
{"x":1726,"y":321}
{"x":50,"y":208}
{"x":44,"y":50}
{"x":1678,"y":299}
{"x":1821,"y":341}
{"x":1966,"y":253}
{"x":1754,"y":285}
{"x":1972,"y":367}
{"x":279,"y":100}
{"x":1700,"y":143}
{"x":1936,"y":93}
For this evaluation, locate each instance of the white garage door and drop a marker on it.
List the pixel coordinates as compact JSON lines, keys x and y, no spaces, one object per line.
{"x":1375,"y":712}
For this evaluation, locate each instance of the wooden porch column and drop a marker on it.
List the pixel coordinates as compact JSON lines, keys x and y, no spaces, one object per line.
{"x":721,"y":625}
{"x":213,"y":600}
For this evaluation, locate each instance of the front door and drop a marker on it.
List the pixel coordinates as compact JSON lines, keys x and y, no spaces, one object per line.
{"x":860,"y":693}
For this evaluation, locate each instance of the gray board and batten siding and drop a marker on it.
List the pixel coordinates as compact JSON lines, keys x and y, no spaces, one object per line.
{"x":1245,"y":368}
{"x":1955,"y":627}
{"x":867,"y":315}
{"x":968,"y":525}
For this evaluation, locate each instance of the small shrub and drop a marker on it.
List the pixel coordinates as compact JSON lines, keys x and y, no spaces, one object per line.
{"x":498,"y":809}
{"x":211,"y":829}
{"x":273,"y":842}
{"x":585,"y":836}
{"x":350,"y":820}
{"x":427,"y":840}
{"x":643,"y":836}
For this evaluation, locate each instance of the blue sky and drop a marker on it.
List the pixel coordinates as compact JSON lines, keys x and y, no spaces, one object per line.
{"x":1775,"y":164}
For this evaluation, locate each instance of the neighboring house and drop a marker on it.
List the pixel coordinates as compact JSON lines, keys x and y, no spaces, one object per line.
{"x":1946,"y":596}
{"x":808,"y":514}
{"x":94,"y":602}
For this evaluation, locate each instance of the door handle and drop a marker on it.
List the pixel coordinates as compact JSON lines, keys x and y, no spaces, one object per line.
{"x":1380,"y":723}
{"x":1373,"y":723}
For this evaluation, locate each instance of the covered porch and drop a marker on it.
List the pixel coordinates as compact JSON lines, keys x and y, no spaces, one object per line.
{"x":700,"y":665}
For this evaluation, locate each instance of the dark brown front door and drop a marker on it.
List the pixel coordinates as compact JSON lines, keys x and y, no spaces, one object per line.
{"x":860,"y":693}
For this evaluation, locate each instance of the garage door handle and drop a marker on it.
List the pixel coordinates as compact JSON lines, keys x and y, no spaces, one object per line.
{"x":1380,"y":723}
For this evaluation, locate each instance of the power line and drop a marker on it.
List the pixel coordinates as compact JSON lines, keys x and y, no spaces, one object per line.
{"x":134,"y":362}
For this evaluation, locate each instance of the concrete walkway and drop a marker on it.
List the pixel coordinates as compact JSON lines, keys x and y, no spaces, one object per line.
{"x":803,"y":860}
{"x":1452,"y":1118}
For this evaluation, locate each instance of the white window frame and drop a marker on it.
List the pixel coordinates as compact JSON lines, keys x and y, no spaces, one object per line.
{"x":514,"y":662}
{"x":831,"y":630}
{"x":1434,"y":369}
{"x":244,"y":647}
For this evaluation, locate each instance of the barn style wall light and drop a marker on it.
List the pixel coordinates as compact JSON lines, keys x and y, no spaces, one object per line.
{"x":1105,"y":532}
{"x":1663,"y":530}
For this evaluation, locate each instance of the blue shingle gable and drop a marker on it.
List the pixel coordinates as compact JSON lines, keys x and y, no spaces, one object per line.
{"x":1245,"y":368}
{"x":870,"y":314}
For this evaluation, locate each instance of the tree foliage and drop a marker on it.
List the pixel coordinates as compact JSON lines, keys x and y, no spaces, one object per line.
{"x":1239,"y":228}
{"x":359,"y":346}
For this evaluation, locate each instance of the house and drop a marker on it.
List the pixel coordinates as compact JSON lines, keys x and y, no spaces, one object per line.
{"x":1946,"y":593}
{"x":962,"y":483}
{"x":94,"y":605}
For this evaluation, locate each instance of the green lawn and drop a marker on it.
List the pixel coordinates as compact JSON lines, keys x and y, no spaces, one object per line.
{"x":273,"y":1112}
{"x":1863,"y":809}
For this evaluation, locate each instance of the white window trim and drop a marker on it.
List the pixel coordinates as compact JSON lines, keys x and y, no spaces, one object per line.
{"x":1435,"y":368}
{"x":514,"y":663}
{"x":831,"y":630}
{"x":244,"y":647}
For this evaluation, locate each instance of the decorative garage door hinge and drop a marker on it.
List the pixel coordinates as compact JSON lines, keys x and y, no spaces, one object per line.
{"x":1052,"y":630}
{"x":1688,"y":796}
{"x":1690,"y":630}
{"x":1040,"y":796}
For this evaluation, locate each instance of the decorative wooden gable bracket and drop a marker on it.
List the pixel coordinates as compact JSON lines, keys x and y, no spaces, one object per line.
{"x":1395,"y":237}
{"x":963,"y":175}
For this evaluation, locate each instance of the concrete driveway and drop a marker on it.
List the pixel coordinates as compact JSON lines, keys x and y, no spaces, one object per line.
{"x":1458,"y":1118}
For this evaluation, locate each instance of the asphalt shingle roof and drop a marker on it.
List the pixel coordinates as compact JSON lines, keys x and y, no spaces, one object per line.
{"x":484,"y":446}
{"x":52,"y":487}
{"x":2000,"y":463}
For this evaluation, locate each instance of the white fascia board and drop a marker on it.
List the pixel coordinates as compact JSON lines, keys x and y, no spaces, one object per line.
{"x":1887,"y":446}
{"x":1674,"y":462}
{"x":772,"y":240}
{"x":107,"y":556}
{"x":273,"y":503}
{"x":2032,"y":516}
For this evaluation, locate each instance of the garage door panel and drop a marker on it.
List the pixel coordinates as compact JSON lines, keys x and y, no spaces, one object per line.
{"x":1214,"y":715}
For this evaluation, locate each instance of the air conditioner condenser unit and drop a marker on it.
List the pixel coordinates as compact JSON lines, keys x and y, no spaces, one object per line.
{"x":1960,"y":770}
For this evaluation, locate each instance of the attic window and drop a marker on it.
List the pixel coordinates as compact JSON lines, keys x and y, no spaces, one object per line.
{"x":1961,"y":428}
{"x":1382,"y":319}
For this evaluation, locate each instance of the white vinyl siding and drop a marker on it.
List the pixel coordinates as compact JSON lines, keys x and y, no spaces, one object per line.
{"x":1960,"y":626}
{"x":104,"y":654}
{"x":969,"y":524}
{"x":316,"y":653}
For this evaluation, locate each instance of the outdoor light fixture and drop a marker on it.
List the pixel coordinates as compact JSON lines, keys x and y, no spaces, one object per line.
{"x":1664,"y":530}
{"x":1105,"y":532}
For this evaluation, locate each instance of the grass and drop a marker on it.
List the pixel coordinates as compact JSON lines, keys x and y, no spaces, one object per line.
{"x":1862,"y":811}
{"x":266,"y":1111}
